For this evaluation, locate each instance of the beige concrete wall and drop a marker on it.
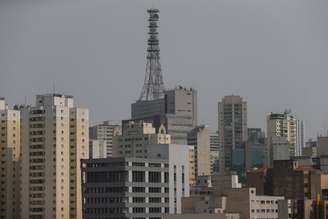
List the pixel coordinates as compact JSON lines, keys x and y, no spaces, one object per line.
{"x":9,"y":163}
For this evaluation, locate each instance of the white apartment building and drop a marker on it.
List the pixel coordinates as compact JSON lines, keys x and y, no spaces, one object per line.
{"x":284,"y":127}
{"x":9,"y":161}
{"x":54,"y":139}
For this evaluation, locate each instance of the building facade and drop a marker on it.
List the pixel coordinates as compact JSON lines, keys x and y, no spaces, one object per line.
{"x":130,"y":187}
{"x":97,"y":149}
{"x":178,"y":110}
{"x":105,"y":133}
{"x":255,"y":151}
{"x":283,"y":127}
{"x":125,"y":188}
{"x":9,"y":161}
{"x":215,"y":152}
{"x":199,"y":138}
{"x":54,"y":139}
{"x":136,"y":135}
{"x":232,"y":111}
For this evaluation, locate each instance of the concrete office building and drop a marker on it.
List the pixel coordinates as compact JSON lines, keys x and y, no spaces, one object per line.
{"x":322,"y":146}
{"x":97,"y":149}
{"x":178,"y":112}
{"x":214,"y":152}
{"x":136,"y":187}
{"x":250,"y":205}
{"x":9,"y":161}
{"x":281,"y":130}
{"x":224,"y":194}
{"x":105,"y":133}
{"x":54,"y":139}
{"x":310,"y":149}
{"x":136,"y":135}
{"x":199,"y":138}
{"x":232,"y":116}
{"x":300,"y":137}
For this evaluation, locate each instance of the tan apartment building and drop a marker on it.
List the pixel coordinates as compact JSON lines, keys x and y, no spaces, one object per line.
{"x":9,"y":161}
{"x":199,"y":137}
{"x":54,"y":139}
{"x":136,"y":135}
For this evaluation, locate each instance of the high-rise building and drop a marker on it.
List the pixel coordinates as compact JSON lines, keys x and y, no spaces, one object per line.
{"x":255,"y":151}
{"x":178,"y":112}
{"x":105,"y":133}
{"x":54,"y":139}
{"x":214,"y":152}
{"x":130,"y":187}
{"x":300,"y":137}
{"x":9,"y":161}
{"x":282,"y":129}
{"x":232,"y":111}
{"x":199,"y":137}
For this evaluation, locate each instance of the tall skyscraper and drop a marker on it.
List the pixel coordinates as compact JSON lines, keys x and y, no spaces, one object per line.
{"x":300,"y":137}
{"x":104,"y":133}
{"x":54,"y":139}
{"x":9,"y":161}
{"x":232,"y":111}
{"x":281,"y":133}
{"x":199,"y":137}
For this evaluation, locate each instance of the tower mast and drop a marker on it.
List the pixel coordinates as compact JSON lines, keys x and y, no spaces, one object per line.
{"x":153,"y":87}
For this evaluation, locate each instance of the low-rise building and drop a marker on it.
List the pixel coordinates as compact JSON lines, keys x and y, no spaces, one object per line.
{"x":250,"y":205}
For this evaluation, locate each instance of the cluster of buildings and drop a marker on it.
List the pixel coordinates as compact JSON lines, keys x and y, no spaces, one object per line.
{"x":159,"y":163}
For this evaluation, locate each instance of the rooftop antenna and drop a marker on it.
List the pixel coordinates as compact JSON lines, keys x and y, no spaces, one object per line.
{"x":153,"y":87}
{"x":53,"y":87}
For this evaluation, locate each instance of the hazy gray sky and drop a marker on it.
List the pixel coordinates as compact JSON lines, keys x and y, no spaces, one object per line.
{"x":274,"y":53}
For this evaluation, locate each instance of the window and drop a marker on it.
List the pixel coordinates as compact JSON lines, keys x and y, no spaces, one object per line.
{"x":155,"y":200}
{"x":138,"y":176}
{"x":138,"y":199}
{"x":138,"y":189}
{"x":155,"y":210}
{"x":154,"y":189}
{"x":154,"y":177}
{"x":138,"y":210}
{"x":166,"y":177}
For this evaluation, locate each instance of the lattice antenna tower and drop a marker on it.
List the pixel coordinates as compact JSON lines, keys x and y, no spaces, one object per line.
{"x":153,"y":87}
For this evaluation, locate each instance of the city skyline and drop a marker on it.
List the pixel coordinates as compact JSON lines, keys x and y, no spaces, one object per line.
{"x":46,"y":51}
